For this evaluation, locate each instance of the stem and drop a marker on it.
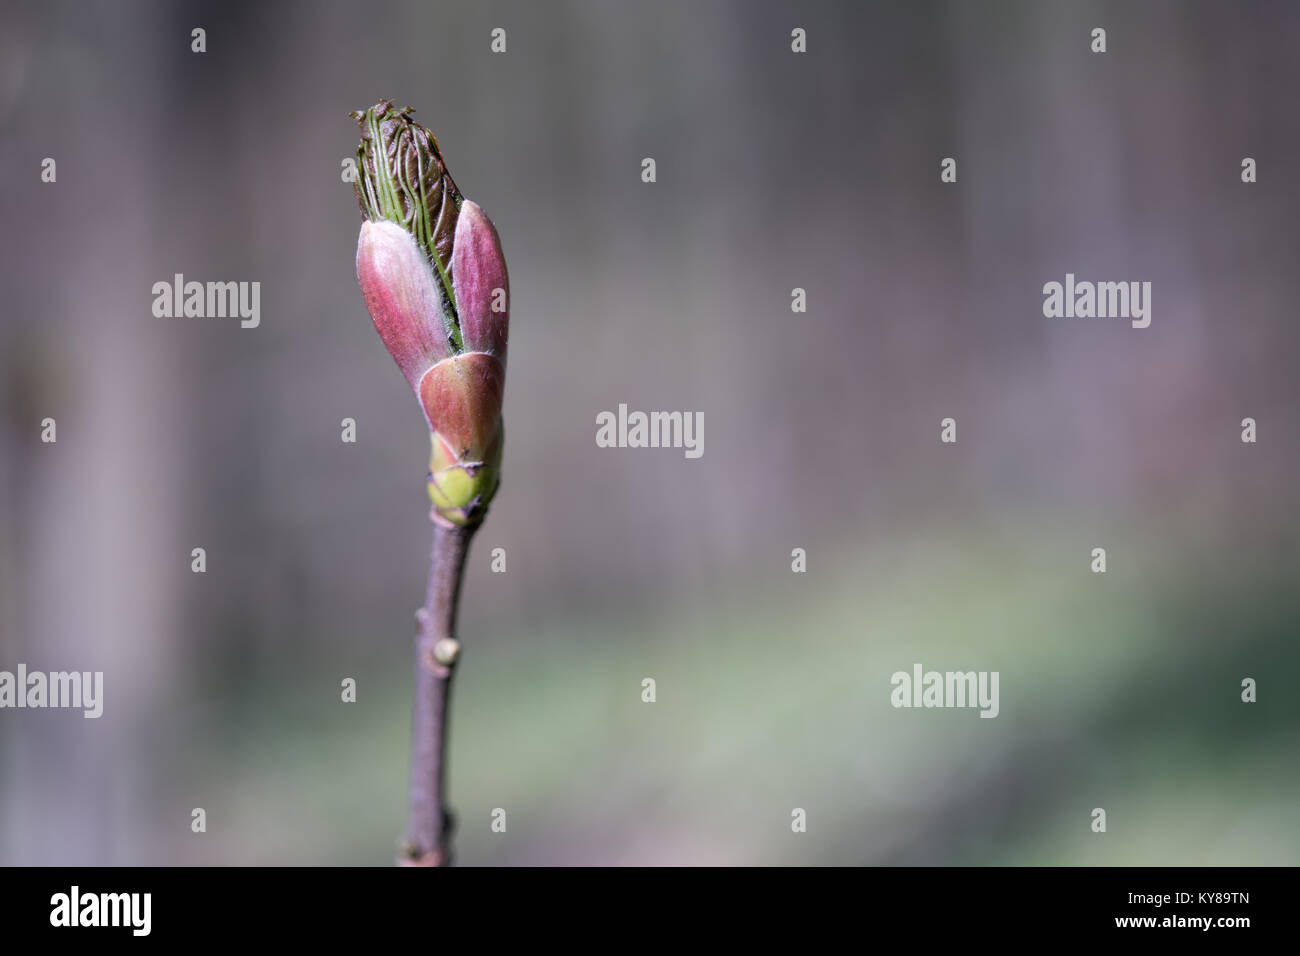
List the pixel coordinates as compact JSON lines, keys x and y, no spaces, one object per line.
{"x":428,"y":841}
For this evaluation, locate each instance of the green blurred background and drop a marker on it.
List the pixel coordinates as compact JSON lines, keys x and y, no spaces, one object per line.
{"x":775,"y":171}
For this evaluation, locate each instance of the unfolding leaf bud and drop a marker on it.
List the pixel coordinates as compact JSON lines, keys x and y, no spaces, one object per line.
{"x":434,"y":279}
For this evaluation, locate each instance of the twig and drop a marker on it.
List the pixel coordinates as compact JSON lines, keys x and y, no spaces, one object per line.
{"x":428,"y":839}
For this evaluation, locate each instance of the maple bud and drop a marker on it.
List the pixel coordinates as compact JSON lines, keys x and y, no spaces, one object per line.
{"x":434,"y":279}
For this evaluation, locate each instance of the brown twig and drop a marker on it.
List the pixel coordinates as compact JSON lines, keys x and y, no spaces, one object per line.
{"x":428,"y":838}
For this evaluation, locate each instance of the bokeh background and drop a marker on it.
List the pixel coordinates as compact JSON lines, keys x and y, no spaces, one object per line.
{"x":775,"y":171}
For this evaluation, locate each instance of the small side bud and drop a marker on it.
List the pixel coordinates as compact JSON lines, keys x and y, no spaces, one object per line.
{"x":446,"y":651}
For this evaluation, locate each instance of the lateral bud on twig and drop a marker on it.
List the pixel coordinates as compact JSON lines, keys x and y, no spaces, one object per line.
{"x":446,"y":651}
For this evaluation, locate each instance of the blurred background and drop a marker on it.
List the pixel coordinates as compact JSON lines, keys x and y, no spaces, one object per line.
{"x":774,"y":171}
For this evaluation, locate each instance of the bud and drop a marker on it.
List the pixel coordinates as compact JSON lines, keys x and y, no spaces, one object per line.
{"x":431,"y":269}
